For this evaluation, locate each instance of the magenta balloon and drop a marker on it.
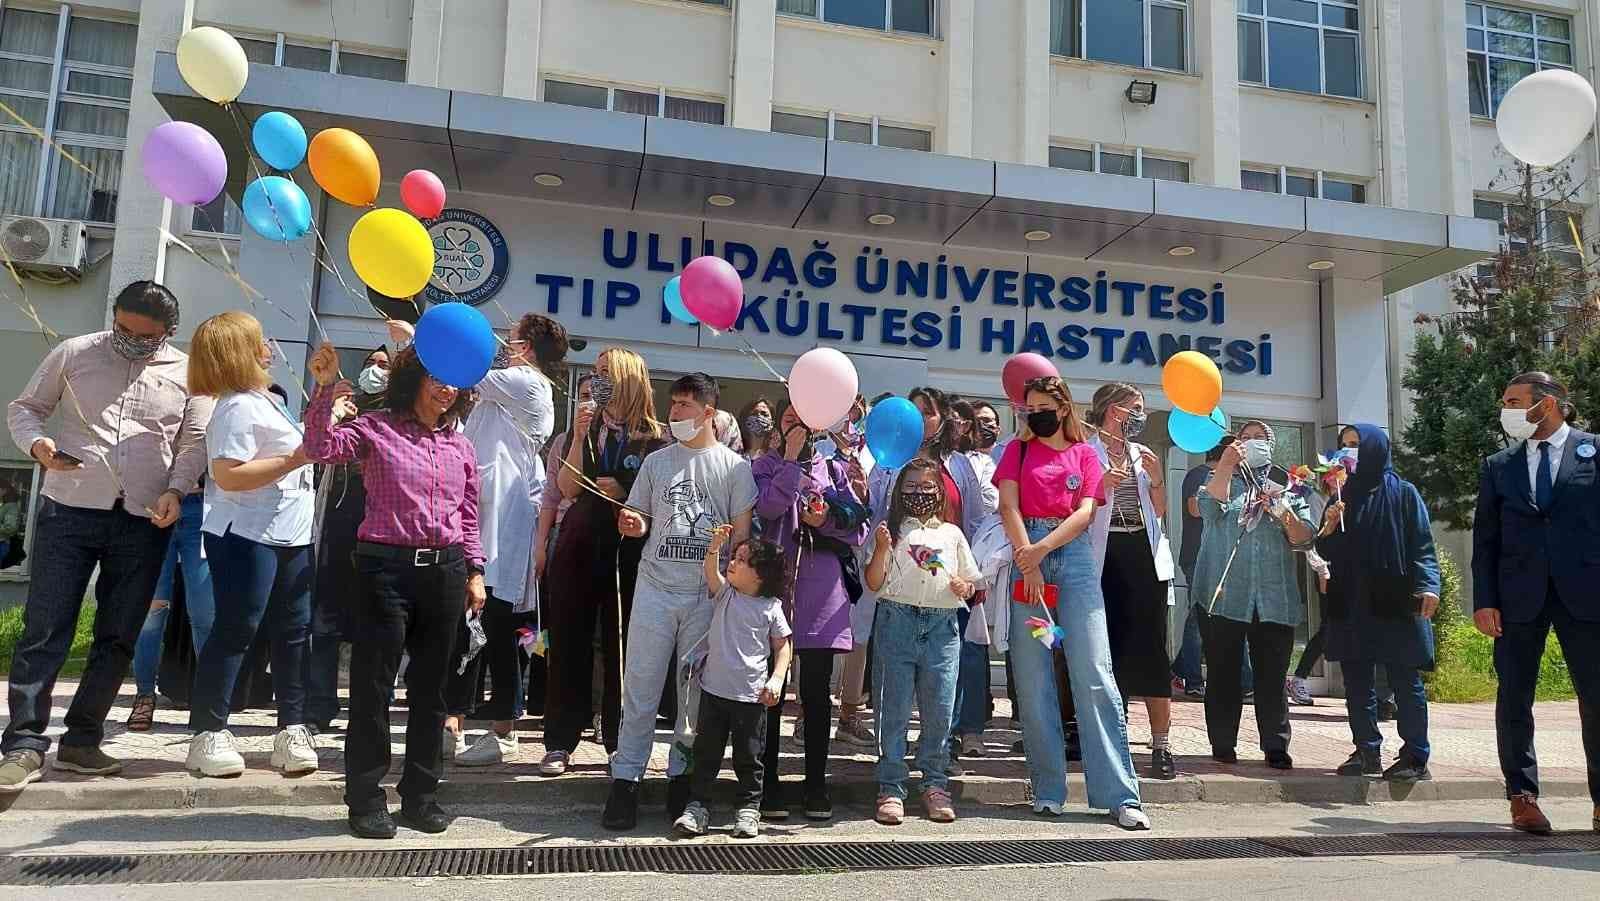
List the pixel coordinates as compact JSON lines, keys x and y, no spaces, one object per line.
{"x":712,"y":292}
{"x":1022,"y":369}
{"x":185,"y":163}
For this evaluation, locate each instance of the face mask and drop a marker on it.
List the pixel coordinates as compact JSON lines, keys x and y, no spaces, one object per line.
{"x":135,"y":348}
{"x":920,"y":503}
{"x":1044,"y":423}
{"x":1133,"y":426}
{"x":758,"y":425}
{"x":685,"y":430}
{"x":373,"y":380}
{"x":600,"y":389}
{"x":1517,"y":426}
{"x":850,"y":435}
{"x":502,"y":358}
{"x":987,"y":434}
{"x":1257,"y":453}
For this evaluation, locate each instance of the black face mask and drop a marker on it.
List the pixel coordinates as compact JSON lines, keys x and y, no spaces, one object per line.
{"x":1044,"y":423}
{"x":987,"y":434}
{"x":920,"y":504}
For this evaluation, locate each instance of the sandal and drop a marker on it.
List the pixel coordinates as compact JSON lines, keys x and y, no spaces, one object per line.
{"x":143,"y":715}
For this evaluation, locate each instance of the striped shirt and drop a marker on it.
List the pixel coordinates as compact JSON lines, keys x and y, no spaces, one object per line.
{"x":1126,"y":513}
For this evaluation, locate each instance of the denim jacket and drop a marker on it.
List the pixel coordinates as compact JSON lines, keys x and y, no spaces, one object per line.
{"x":1263,"y":581}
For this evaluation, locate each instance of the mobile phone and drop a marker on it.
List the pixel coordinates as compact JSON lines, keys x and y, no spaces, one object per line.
{"x":1019,"y":593}
{"x":64,"y":457}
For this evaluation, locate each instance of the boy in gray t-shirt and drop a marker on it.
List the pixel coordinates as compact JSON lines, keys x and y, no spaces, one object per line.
{"x":735,"y":687}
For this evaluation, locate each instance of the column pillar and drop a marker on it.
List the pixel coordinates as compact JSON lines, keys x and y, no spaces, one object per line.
{"x":1034,"y":79}
{"x":427,"y":31}
{"x":1454,"y":115}
{"x":959,"y":30}
{"x":1216,"y":51}
{"x":1355,"y":384}
{"x":523,"y":18}
{"x":755,"y":26}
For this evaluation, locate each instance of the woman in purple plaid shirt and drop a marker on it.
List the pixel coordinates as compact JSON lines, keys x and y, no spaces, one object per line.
{"x":418,"y":559}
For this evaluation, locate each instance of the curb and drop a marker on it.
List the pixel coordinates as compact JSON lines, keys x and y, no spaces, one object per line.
{"x":111,"y":795}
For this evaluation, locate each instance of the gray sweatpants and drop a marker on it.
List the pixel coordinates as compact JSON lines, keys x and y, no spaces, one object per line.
{"x":664,"y":627}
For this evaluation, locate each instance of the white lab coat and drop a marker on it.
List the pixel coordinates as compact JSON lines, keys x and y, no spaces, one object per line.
{"x":992,"y":549}
{"x":1100,"y":529}
{"x":509,"y":429}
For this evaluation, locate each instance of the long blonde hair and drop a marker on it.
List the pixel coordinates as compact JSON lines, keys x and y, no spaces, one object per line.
{"x":225,"y":356}
{"x":1071,"y":426}
{"x":630,"y":391}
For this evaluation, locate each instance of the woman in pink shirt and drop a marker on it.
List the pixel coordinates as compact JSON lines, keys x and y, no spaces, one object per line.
{"x":1050,"y":482}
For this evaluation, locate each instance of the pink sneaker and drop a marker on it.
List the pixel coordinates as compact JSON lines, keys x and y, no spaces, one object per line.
{"x":937,"y":801}
{"x":891,"y":811}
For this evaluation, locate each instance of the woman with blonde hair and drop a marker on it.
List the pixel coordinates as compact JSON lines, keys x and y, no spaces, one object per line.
{"x":612,"y":436}
{"x":257,"y":536}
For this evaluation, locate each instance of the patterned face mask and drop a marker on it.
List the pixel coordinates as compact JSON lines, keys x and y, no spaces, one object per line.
{"x":135,"y":348}
{"x":920,"y":503}
{"x":600,"y":390}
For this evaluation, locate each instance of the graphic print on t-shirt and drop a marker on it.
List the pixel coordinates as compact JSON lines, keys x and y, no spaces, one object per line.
{"x":926,"y":558}
{"x":689,"y":527}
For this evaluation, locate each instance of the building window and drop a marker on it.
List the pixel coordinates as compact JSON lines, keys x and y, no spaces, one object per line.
{"x":1506,"y":45}
{"x":910,"y":16}
{"x":1558,"y":230}
{"x":625,"y":100}
{"x":1302,"y":184}
{"x":1135,"y":163}
{"x":277,"y":50}
{"x":87,"y":65}
{"x":1149,"y":34}
{"x":856,"y":131}
{"x":1301,"y":45}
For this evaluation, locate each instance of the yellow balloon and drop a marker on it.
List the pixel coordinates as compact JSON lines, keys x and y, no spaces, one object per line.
{"x":213,"y":63}
{"x":391,"y":252}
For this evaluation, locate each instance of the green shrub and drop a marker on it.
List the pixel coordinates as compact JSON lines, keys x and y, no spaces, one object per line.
{"x":1465,"y":670}
{"x":11,"y":633}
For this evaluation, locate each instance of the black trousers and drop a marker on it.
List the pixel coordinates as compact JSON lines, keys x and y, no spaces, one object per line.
{"x":1313,"y":653}
{"x":501,"y":658}
{"x":1517,"y":653}
{"x":816,"y":705}
{"x":717,"y":720}
{"x":576,"y":603}
{"x":1271,"y":646}
{"x":399,"y":608}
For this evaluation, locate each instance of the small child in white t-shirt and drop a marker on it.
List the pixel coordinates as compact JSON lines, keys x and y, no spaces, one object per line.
{"x":736,"y":686}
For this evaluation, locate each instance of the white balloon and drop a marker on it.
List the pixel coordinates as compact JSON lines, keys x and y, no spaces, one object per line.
{"x":213,"y":63}
{"x":1544,"y":117}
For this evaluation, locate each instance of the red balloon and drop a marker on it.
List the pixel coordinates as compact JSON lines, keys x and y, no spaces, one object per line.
{"x":423,"y":193}
{"x":1022,"y":369}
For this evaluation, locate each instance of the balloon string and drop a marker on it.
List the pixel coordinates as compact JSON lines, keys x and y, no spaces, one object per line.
{"x":31,"y":129}
{"x":749,"y":350}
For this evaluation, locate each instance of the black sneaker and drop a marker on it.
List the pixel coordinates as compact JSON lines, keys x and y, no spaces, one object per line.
{"x":377,"y":824}
{"x":1162,"y":765}
{"x":429,"y":818}
{"x":818,"y":805}
{"x":622,"y":807}
{"x":677,"y":797}
{"x":1224,"y":755}
{"x":774,"y":802}
{"x":1408,"y":769}
{"x":1361,"y":763}
{"x":1280,"y":760}
{"x":1387,"y":710}
{"x":88,"y":760}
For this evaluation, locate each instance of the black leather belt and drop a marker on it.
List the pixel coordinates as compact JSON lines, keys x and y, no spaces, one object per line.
{"x":416,"y":556}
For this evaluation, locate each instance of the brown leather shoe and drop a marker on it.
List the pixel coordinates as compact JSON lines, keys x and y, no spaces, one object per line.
{"x":1596,"y":822}
{"x":1526,"y":815}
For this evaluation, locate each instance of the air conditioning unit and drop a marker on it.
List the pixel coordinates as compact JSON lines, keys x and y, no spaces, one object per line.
{"x":46,"y":247}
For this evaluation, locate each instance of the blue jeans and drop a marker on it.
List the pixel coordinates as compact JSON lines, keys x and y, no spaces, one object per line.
{"x":258,"y":582}
{"x":1103,"y":733}
{"x":198,"y":603}
{"x":972,"y":684}
{"x":1411,"y":707}
{"x":916,"y":652}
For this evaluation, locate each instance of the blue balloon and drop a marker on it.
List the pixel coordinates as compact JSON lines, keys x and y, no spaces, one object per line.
{"x":894,"y":432}
{"x":455,"y":344}
{"x":673,"y":298}
{"x":1197,"y":434}
{"x":280,"y":140}
{"x":276,"y":208}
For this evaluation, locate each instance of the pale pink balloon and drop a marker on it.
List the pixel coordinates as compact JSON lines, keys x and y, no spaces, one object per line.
{"x":423,"y":193}
{"x":713,"y":292}
{"x":1022,"y":369}
{"x":822,"y":387}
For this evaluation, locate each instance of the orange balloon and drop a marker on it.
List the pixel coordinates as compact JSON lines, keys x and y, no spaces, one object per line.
{"x":1192,"y":382}
{"x":344,"y":164}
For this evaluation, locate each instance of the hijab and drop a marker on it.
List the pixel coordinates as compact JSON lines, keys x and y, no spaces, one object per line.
{"x":1371,"y":552}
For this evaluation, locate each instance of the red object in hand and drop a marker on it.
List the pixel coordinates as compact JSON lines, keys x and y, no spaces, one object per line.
{"x":1019,"y":593}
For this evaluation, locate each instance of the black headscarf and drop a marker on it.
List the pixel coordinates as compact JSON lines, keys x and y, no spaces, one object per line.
{"x":1371,"y":558}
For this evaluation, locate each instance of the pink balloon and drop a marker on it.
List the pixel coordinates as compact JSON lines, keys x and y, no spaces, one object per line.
{"x":1022,"y":369}
{"x":423,"y":193}
{"x":822,"y":386}
{"x":712,"y":292}
{"x":184,"y":163}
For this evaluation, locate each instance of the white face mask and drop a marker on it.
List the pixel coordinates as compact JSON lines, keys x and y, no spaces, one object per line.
{"x":685,"y":430}
{"x":1516,"y":424}
{"x":373,"y":380}
{"x":1257,"y":453}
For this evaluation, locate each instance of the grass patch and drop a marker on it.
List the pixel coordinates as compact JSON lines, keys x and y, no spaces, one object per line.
{"x":77,"y":658}
{"x":1465,"y":671}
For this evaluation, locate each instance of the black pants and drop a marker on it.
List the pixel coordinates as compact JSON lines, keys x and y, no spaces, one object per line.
{"x":1517,"y":653}
{"x":717,"y":720}
{"x":400,"y":607}
{"x":1271,"y":646}
{"x":816,"y":705}
{"x":501,"y":657}
{"x":575,"y":603}
{"x":1312,"y":654}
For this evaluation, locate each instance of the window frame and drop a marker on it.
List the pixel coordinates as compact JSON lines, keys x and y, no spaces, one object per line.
{"x":611,"y":89}
{"x":1488,"y":56}
{"x":832,"y":117}
{"x":1282,"y":174}
{"x":820,"y":17}
{"x":1080,"y":34}
{"x":1098,"y":150}
{"x":1265,"y":19}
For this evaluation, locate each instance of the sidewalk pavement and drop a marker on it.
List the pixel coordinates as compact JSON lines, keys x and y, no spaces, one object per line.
{"x":1464,"y":764}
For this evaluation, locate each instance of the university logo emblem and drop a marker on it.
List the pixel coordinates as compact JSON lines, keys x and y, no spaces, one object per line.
{"x":470,"y":258}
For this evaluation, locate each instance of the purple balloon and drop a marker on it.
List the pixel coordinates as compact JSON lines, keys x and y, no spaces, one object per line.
{"x":185,"y":163}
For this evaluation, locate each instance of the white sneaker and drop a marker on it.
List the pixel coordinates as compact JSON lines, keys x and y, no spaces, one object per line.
{"x":1049,"y":808}
{"x":293,"y":751}
{"x":972,"y":746}
{"x":455,"y":744}
{"x":1299,"y":692}
{"x":213,"y":754}
{"x":1131,"y":818}
{"x":490,"y":749}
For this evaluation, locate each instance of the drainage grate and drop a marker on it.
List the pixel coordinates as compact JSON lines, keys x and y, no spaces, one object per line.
{"x":769,"y":859}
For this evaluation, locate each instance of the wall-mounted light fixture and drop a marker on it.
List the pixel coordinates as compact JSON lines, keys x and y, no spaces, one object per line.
{"x":1142,"y":93}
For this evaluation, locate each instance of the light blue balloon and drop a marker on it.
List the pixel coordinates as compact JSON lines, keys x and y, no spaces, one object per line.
{"x":455,"y":344}
{"x":1197,"y":434}
{"x":279,"y":140}
{"x":894,"y":432}
{"x":672,"y":296}
{"x":276,"y":208}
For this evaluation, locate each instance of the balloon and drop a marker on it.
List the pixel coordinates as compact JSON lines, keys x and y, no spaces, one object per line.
{"x":822,"y":385}
{"x":213,"y":63}
{"x":714,"y":294}
{"x":276,"y":208}
{"x":423,"y":193}
{"x":344,"y":165}
{"x":1022,"y":369}
{"x":894,"y":432}
{"x":392,"y":252}
{"x":279,"y":140}
{"x":1192,"y":382}
{"x":1544,"y":117}
{"x":1197,"y":434}
{"x":184,"y":163}
{"x":672,"y":296}
{"x":454,"y":343}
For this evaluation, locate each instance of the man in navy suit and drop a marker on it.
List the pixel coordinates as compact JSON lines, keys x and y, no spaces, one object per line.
{"x":1536,"y":566}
